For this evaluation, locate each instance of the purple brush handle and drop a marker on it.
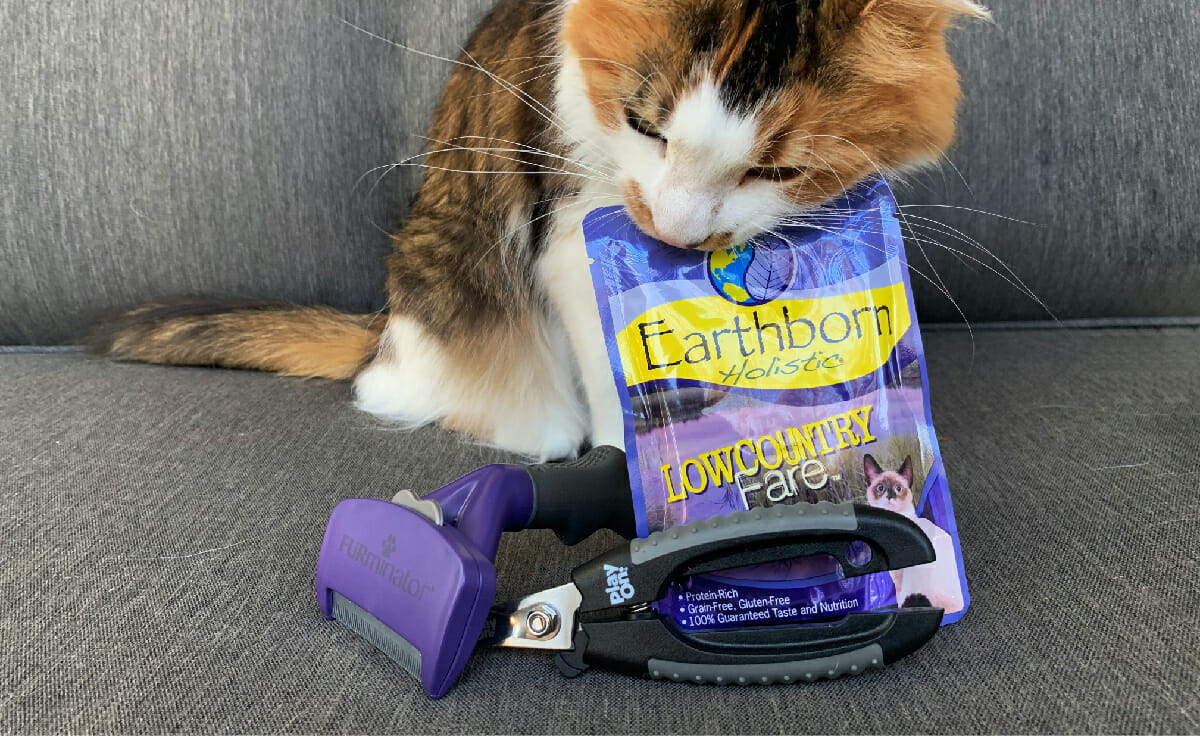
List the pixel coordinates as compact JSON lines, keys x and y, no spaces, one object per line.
{"x":472,"y":502}
{"x":573,"y":499}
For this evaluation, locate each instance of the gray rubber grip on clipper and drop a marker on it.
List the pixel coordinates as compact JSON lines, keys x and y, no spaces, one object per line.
{"x":824,"y":668}
{"x":578,"y":498}
{"x":819,"y":516}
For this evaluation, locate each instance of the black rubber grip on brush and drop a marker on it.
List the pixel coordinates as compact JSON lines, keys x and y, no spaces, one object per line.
{"x":578,"y":498}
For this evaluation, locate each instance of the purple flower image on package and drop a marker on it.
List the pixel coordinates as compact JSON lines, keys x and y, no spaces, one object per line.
{"x":788,"y":369}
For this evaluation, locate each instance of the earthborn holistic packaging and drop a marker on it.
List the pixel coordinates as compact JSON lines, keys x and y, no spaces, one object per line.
{"x":785,"y":370}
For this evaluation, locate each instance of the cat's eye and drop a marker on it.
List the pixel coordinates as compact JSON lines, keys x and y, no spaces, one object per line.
{"x":644,"y":126}
{"x":780,"y":174}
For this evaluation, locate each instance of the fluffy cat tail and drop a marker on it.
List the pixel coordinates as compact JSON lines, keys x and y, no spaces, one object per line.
{"x":273,"y":336}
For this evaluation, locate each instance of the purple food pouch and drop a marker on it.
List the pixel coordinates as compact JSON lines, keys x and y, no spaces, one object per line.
{"x":788,"y":369}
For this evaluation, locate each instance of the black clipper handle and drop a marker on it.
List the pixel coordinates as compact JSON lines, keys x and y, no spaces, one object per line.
{"x":578,"y":498}
{"x":638,"y":572}
{"x":752,"y":656}
{"x":619,"y":631}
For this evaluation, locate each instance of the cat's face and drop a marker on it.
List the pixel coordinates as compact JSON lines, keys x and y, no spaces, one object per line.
{"x":891,"y":490}
{"x":723,"y":116}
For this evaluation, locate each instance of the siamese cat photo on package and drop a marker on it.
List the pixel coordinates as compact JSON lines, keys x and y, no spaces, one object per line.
{"x":936,"y":583}
{"x":709,"y":120}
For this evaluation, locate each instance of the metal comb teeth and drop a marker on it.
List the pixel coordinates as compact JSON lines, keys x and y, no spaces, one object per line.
{"x":361,"y":622}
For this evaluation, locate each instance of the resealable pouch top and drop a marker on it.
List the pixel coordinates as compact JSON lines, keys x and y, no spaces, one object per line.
{"x":784,"y":370}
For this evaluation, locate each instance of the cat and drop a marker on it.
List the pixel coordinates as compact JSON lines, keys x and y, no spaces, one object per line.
{"x":709,"y":120}
{"x":935,"y":584}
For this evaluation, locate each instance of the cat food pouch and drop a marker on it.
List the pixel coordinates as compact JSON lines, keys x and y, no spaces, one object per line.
{"x":784,"y":370}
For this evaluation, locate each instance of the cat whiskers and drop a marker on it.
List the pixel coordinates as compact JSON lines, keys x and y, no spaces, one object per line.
{"x":964,"y":257}
{"x":497,"y":151}
{"x":925,"y":234}
{"x":411,"y":161}
{"x":836,"y":234}
{"x":945,"y":157}
{"x":531,"y":149}
{"x":643,"y":77}
{"x":528,"y":100}
{"x":546,"y":170}
{"x":520,"y":275}
{"x":971,"y":209}
{"x":600,"y":177}
{"x":885,"y":172}
{"x":542,"y":110}
{"x":574,"y":199}
{"x":943,"y":229}
{"x":522,"y":82}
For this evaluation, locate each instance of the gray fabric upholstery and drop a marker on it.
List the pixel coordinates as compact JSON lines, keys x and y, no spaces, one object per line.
{"x":154,"y":149}
{"x":227,"y":147}
{"x":159,"y":528}
{"x":1079,"y":119}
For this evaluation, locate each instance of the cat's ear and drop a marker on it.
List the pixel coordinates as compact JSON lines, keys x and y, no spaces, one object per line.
{"x":906,"y":471}
{"x":871,"y":468}
{"x":952,"y":7}
{"x":966,"y":7}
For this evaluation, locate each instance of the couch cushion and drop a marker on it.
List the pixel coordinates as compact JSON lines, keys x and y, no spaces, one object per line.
{"x":228,"y":147}
{"x":160,"y":526}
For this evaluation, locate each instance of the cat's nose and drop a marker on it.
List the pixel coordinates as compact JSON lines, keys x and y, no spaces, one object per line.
{"x":673,"y":242}
{"x":684,"y":217}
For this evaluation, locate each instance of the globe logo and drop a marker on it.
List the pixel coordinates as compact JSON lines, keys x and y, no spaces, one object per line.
{"x":751,"y":276}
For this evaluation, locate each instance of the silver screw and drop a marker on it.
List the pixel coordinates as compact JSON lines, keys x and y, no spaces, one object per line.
{"x":542,"y":622}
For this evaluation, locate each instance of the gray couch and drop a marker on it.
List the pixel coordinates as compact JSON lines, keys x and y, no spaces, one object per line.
{"x":158,"y":526}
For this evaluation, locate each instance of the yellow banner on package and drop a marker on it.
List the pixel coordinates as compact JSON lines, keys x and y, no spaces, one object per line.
{"x":783,"y":344}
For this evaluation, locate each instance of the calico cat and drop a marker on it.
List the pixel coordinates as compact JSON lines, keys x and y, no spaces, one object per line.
{"x":935,"y":584}
{"x":709,"y":120}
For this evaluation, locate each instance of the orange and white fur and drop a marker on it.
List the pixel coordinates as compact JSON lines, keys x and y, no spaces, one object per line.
{"x":709,"y":120}
{"x":937,"y":581}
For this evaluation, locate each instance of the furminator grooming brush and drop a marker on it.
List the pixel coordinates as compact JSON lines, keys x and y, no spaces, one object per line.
{"x":416,"y":576}
{"x":610,"y":615}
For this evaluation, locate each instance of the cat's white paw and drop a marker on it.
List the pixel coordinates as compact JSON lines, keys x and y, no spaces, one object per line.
{"x":521,"y":406}
{"x":405,"y":390}
{"x":608,"y":428}
{"x":553,"y":435}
